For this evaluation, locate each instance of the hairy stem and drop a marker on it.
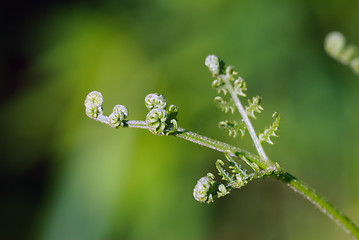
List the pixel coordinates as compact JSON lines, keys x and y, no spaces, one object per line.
{"x":206,"y":142}
{"x":319,"y":201}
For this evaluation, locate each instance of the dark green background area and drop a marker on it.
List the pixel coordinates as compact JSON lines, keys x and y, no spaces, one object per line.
{"x":66,"y":177}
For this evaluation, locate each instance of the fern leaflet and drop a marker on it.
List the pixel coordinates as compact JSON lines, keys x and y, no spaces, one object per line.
{"x":270,"y":131}
{"x":254,"y":106}
{"x":234,"y":128}
{"x":225,"y":105}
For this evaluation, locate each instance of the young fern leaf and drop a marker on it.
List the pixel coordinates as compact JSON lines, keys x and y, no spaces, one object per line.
{"x":234,"y":128}
{"x":223,"y":172}
{"x":254,"y":106}
{"x":236,"y":180}
{"x":219,"y":85}
{"x":240,"y":87}
{"x":335,"y":45}
{"x":207,"y":189}
{"x":235,"y":166}
{"x":236,"y":86}
{"x":225,"y":105}
{"x":270,"y":131}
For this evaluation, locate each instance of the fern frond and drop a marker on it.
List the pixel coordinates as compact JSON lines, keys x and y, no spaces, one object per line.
{"x":254,"y":106}
{"x":270,"y":131}
{"x":234,"y":128}
{"x":225,"y":105}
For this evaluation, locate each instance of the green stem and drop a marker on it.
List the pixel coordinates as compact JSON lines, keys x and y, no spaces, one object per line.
{"x":295,"y":184}
{"x":319,"y":201}
{"x":206,"y":142}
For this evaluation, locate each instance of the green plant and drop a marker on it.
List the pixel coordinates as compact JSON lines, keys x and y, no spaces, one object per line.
{"x":161,"y":120}
{"x":348,"y":54}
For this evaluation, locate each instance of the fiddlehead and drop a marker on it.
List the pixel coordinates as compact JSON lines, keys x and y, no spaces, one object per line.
{"x":159,"y":120}
{"x":348,"y":54}
{"x":205,"y":188}
{"x":118,"y":115}
{"x":93,"y":104}
{"x":155,"y":100}
{"x":214,"y":65}
{"x":156,"y":121}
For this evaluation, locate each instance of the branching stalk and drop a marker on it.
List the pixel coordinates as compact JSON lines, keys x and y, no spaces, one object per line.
{"x":161,"y":120}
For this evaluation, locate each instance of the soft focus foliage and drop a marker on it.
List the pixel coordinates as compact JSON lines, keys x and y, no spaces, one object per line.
{"x":348,"y":54}
{"x":68,"y":177}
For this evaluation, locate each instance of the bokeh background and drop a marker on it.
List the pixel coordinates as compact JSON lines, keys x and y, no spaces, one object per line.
{"x":67,"y":177}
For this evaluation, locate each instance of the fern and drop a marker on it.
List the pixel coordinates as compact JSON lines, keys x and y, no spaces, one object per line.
{"x":163,"y":122}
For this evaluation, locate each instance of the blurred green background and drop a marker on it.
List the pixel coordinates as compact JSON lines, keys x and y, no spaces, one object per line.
{"x":67,"y":177}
